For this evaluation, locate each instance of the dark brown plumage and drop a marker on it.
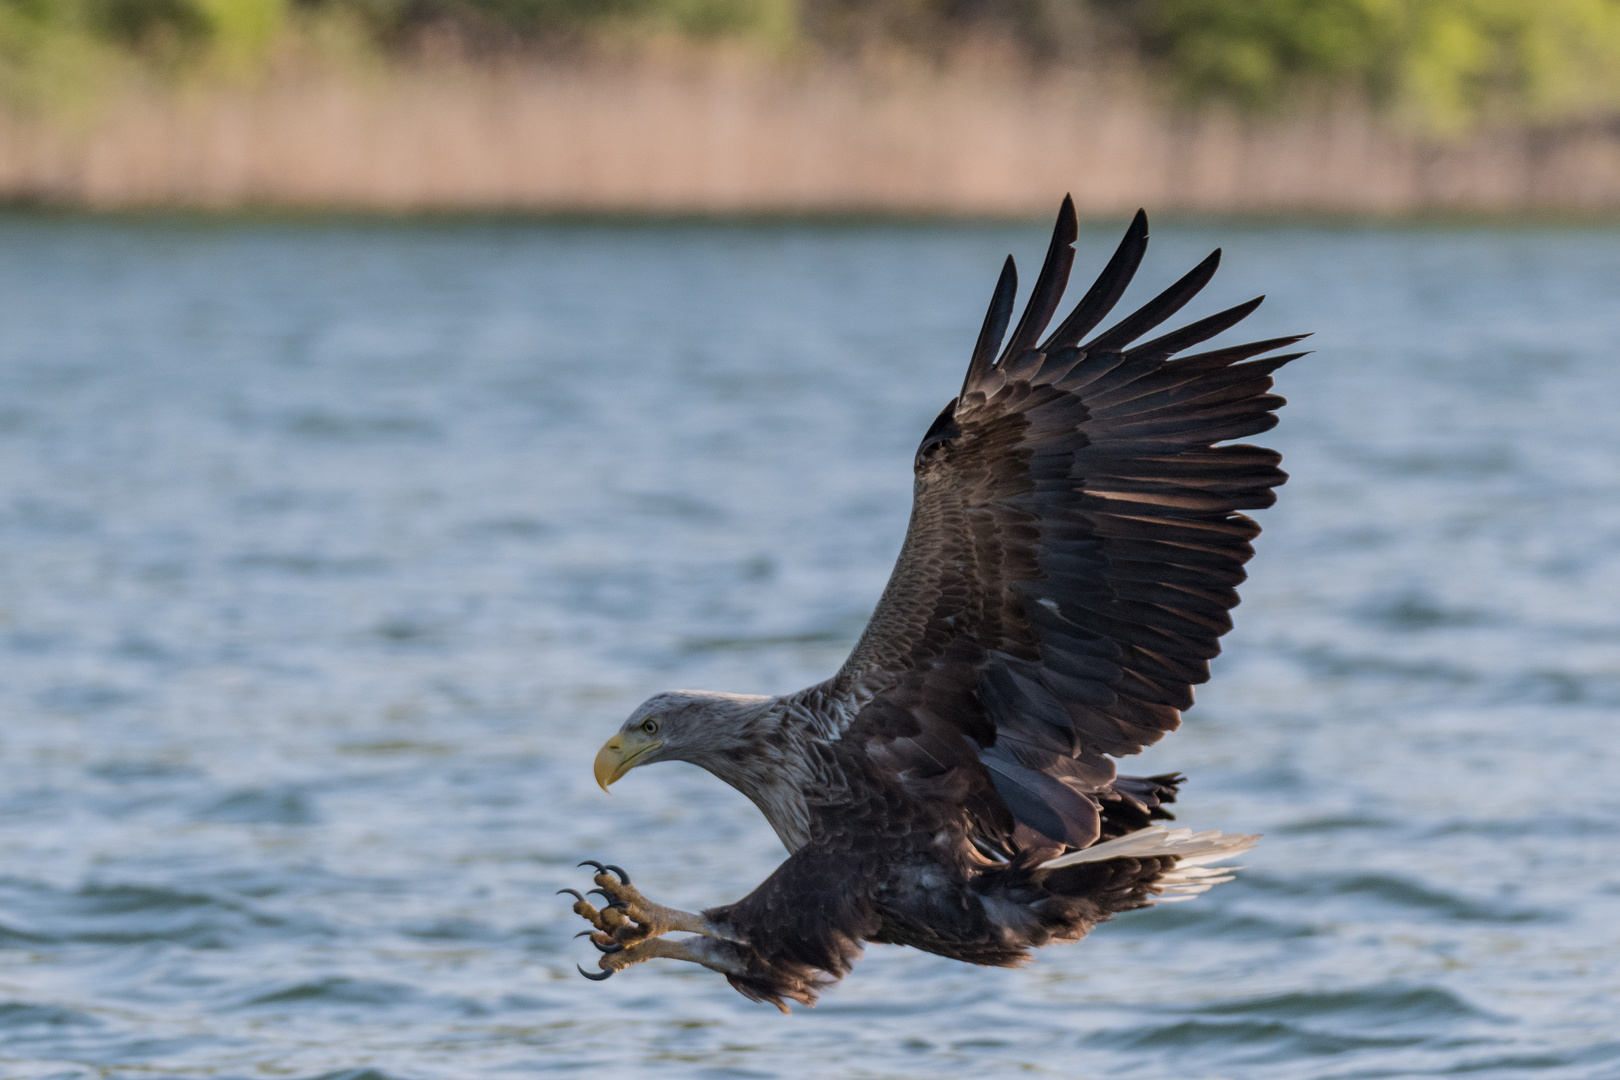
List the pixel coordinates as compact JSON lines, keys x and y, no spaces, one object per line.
{"x":1075,"y":542}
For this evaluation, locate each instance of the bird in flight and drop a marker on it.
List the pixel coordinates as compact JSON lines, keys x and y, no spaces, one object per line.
{"x":1075,"y":544}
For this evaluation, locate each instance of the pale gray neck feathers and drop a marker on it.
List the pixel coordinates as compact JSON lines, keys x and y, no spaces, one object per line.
{"x":746,"y":741}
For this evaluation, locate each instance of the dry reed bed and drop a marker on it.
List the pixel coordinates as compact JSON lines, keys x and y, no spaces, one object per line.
{"x":734,"y":135}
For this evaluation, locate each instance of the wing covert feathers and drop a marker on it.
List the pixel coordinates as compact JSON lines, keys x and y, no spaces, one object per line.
{"x":1075,"y":544}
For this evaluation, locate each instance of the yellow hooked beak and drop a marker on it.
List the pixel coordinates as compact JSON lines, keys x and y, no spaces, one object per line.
{"x":620,"y":754}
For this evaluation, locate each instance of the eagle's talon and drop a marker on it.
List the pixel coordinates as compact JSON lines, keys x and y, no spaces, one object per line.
{"x":612,"y":947}
{"x":599,"y":920}
{"x":591,"y":862}
{"x":621,"y":891}
{"x":627,"y":919}
{"x":613,"y":903}
{"x":608,"y":974}
{"x":626,"y":932}
{"x":653,"y":948}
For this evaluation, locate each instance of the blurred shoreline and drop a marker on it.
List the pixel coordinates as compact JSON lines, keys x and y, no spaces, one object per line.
{"x":721,"y":133}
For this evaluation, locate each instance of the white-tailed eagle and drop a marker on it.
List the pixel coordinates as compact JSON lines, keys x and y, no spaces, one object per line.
{"x":1075,"y":544}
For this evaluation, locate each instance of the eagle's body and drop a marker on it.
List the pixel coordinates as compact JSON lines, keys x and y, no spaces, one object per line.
{"x":1074,"y":545}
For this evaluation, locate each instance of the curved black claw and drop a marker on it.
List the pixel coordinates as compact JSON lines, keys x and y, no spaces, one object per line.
{"x":615,"y":947}
{"x":614,"y":905}
{"x":594,"y":978}
{"x":574,"y":893}
{"x":624,"y":878}
{"x":591,"y":862}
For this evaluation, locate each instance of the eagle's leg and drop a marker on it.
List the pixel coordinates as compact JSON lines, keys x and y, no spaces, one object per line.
{"x":630,"y":918}
{"x":713,"y":954}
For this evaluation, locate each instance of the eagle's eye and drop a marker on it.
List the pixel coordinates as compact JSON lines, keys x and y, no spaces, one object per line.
{"x":650,"y":726}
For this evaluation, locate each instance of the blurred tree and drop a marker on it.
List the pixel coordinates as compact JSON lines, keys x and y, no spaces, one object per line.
{"x":240,"y":32}
{"x":51,"y":54}
{"x":494,"y":22}
{"x":148,"y":23}
{"x":1447,"y":64}
{"x":1046,"y":30}
{"x":236,"y":32}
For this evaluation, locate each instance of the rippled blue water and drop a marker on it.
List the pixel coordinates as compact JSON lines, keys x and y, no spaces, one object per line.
{"x":330,"y":552}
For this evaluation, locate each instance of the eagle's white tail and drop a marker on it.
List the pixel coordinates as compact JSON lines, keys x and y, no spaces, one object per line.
{"x":1193,"y":851}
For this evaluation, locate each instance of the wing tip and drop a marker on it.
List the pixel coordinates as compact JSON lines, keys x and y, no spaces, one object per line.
{"x":994,"y":329}
{"x":1049,"y":284}
{"x":1106,"y":290}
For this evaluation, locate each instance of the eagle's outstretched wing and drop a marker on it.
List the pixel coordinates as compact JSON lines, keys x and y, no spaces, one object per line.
{"x":1074,"y":545}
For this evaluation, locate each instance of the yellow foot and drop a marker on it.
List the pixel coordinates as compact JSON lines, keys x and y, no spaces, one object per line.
{"x":628,"y":918}
{"x":714,"y":955}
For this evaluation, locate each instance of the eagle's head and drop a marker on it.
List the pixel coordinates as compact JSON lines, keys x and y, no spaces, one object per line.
{"x":695,"y":726}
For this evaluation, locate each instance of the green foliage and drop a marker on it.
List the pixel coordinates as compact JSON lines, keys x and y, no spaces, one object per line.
{"x":1046,"y":30}
{"x":240,"y":32}
{"x":51,"y":55}
{"x":141,"y":23}
{"x":1251,"y":51}
{"x":520,"y":19}
{"x":1448,"y":63}
{"x":167,"y":30}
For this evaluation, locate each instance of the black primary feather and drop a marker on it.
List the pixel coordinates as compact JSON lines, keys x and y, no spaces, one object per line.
{"x":1048,"y":291}
{"x":1105,"y":292}
{"x":995,"y":324}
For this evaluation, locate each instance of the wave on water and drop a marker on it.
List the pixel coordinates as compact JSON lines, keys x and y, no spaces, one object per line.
{"x":34,"y":914}
{"x":1393,"y":891}
{"x":17,"y":1018}
{"x":1208,"y":920}
{"x":336,"y":990}
{"x":283,"y":805}
{"x":1377,"y":1005}
{"x":1334,"y":823}
{"x":1250,"y":1040}
{"x":1279,"y":1027}
{"x":1603,"y":1053}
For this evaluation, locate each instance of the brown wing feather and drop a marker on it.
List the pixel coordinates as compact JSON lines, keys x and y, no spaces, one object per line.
{"x":1074,"y":545}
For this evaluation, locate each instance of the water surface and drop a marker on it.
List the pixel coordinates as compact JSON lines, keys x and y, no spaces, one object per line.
{"x":329,"y":553}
